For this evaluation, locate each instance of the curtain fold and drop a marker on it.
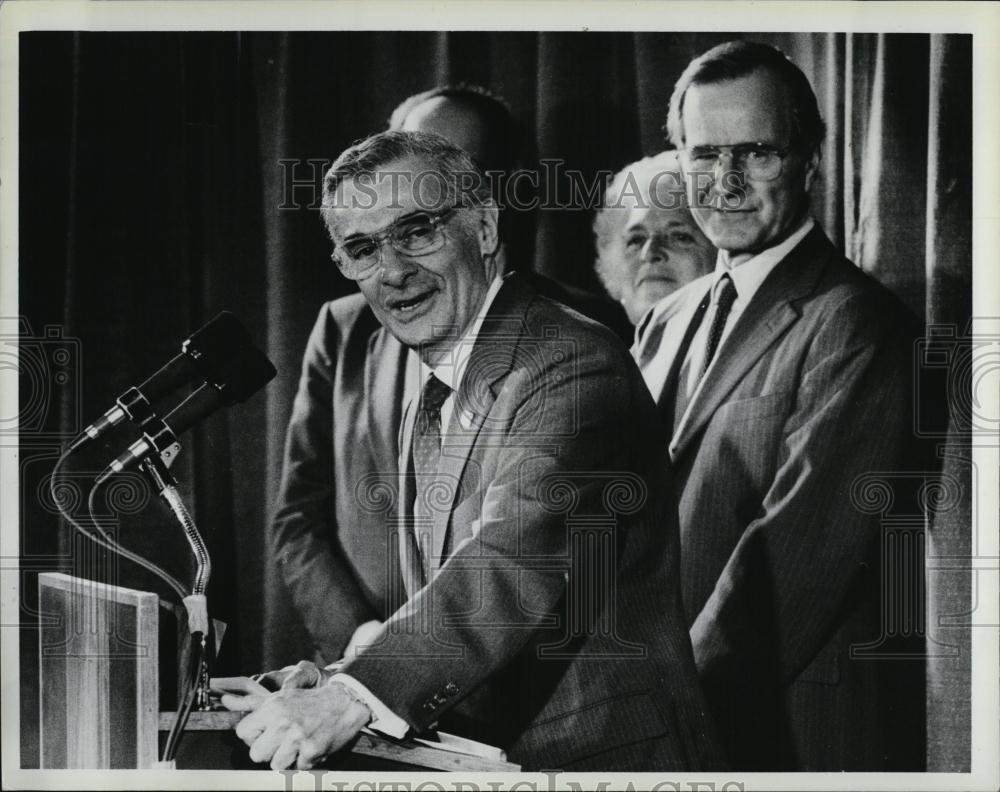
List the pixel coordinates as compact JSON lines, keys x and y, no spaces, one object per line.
{"x":948,"y":246}
{"x":167,"y":176}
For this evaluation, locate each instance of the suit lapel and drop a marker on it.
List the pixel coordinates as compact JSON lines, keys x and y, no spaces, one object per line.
{"x":768,"y":316}
{"x":680,"y":343}
{"x":680,"y":316}
{"x":488,"y":366}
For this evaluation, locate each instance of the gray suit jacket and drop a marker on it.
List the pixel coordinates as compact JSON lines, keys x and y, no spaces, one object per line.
{"x":552,"y":623}
{"x":781,"y":564}
{"x":331,"y":533}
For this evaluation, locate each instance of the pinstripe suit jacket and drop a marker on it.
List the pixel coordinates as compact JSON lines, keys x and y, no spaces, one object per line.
{"x":780,"y":568}
{"x":331,"y":533}
{"x":552,"y":623}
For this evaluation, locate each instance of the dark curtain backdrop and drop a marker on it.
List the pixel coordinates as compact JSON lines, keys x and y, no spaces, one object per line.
{"x":165,"y":177}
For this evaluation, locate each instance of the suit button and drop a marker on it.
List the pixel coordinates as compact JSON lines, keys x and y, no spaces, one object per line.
{"x":451,"y":688}
{"x":429,"y":706}
{"x":439,"y":699}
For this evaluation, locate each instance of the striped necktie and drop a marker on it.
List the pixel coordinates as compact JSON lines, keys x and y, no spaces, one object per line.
{"x":426,"y":453}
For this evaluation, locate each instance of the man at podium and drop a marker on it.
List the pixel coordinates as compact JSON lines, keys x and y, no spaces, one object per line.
{"x":530,"y":520}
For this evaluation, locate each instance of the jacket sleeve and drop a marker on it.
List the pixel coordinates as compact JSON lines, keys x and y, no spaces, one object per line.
{"x":304,"y":527}
{"x":797,"y":566}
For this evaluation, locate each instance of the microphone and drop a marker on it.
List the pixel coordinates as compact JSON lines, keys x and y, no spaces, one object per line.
{"x":203,"y":355}
{"x":241,"y":377}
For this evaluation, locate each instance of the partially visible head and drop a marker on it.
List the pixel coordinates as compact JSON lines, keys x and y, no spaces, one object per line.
{"x":648,"y":244}
{"x":482,"y":123}
{"x":740,"y":94}
{"x":412,"y":220}
{"x":469,"y":116}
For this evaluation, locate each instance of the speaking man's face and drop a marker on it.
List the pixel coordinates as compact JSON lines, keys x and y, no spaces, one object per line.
{"x":737,"y":212}
{"x":426,"y":300}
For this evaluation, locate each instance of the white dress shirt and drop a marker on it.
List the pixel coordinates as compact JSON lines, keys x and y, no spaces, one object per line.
{"x":747,"y":275}
{"x":450,"y":370}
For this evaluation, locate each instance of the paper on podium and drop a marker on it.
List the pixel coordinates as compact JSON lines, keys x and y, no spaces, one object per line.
{"x":463,"y":745}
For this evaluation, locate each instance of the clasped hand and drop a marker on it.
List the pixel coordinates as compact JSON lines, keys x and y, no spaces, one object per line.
{"x":301,"y":724}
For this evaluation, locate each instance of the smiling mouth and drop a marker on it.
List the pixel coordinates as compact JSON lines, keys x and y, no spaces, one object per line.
{"x":655,"y":276}
{"x":409,"y":305}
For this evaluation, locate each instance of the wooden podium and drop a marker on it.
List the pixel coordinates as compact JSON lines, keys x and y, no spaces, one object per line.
{"x":99,"y":681}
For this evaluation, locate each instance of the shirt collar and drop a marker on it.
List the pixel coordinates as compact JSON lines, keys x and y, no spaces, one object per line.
{"x":749,"y":274}
{"x":452,"y":367}
{"x":668,"y":307}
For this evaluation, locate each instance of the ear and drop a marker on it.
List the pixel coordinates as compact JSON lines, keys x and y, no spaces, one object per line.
{"x":489,"y":236}
{"x":812,"y":168}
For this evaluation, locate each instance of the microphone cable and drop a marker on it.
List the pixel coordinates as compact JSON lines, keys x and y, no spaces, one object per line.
{"x":197,"y":641}
{"x":101,"y":538}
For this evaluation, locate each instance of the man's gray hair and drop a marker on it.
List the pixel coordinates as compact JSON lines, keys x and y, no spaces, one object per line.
{"x":734,"y":59}
{"x":443,"y":165}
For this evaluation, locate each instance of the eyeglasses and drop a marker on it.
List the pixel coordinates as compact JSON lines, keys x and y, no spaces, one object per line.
{"x":758,"y":161}
{"x":417,"y":234}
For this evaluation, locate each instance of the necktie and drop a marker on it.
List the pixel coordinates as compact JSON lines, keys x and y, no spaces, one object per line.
{"x":727,"y":296}
{"x":426,"y":451}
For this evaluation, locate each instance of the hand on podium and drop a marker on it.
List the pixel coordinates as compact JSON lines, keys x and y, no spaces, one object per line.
{"x":297,"y":727}
{"x":303,"y":674}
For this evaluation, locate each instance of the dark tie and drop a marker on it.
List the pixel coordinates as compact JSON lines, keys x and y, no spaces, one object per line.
{"x":727,"y":296}
{"x":426,"y":450}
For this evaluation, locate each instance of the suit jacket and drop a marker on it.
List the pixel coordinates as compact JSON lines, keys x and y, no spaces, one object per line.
{"x":781,"y":558}
{"x":330,"y":533}
{"x":551,"y":625}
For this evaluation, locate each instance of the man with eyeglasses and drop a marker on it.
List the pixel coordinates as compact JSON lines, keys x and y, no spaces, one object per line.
{"x":783,"y":379}
{"x":366,"y":384}
{"x":527,"y":525}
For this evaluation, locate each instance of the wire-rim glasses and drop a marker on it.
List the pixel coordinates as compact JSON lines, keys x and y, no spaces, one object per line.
{"x":416,"y":234}
{"x":759,"y":161}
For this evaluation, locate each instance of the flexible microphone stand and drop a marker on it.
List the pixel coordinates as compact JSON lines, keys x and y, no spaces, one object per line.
{"x":155,"y":464}
{"x":239,"y":370}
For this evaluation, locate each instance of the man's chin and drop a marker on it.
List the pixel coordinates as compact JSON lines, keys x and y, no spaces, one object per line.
{"x":653,"y":290}
{"x":727,"y":236}
{"x":419,"y":336}
{"x":413,"y":335}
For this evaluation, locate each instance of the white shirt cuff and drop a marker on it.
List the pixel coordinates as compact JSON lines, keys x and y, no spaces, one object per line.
{"x":383,"y":718}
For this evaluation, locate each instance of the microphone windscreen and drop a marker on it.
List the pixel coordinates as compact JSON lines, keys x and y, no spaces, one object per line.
{"x":212,"y":347}
{"x":245,"y":374}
